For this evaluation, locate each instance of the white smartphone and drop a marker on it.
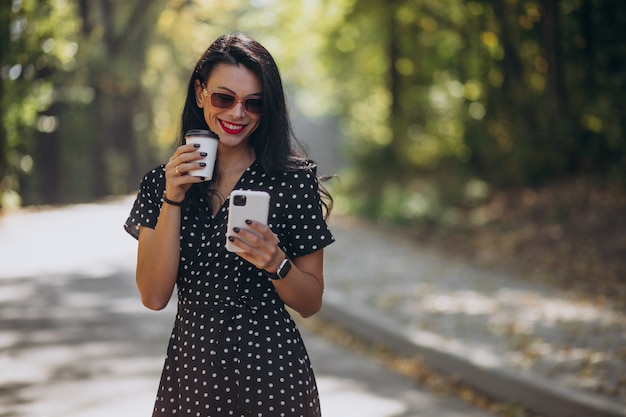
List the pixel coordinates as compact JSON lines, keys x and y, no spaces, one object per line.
{"x":244,"y":205}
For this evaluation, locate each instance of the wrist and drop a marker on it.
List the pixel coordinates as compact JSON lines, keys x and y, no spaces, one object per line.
{"x":274,"y":265}
{"x":282,"y":270}
{"x":172,"y":202}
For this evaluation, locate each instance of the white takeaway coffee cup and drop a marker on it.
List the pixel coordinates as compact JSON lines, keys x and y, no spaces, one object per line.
{"x":208,"y":143}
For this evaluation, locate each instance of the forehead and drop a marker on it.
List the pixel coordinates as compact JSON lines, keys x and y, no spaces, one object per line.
{"x":236,"y":78}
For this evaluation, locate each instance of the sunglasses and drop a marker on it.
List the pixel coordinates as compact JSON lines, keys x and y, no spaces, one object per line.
{"x":226,"y":101}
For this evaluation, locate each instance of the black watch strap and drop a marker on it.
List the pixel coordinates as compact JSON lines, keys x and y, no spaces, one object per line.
{"x":282,"y":271}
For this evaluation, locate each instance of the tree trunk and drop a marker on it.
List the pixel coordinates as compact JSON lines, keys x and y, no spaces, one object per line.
{"x":554,"y":86}
{"x":48,"y":163}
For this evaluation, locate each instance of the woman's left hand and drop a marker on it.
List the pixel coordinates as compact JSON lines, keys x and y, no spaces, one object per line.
{"x":260,"y":249}
{"x":303,"y":290}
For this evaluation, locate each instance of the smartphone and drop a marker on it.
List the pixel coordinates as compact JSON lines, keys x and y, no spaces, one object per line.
{"x":244,"y":205}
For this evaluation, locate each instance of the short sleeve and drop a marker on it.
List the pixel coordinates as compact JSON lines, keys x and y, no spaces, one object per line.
{"x":147,"y":205}
{"x":307,"y":230}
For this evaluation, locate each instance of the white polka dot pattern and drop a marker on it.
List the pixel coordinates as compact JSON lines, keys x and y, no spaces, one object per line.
{"x":234,"y":349}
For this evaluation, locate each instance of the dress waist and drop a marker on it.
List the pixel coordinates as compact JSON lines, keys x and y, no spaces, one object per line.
{"x":251,"y":305}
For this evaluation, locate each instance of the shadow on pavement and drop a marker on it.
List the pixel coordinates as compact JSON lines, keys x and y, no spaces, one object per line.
{"x":67,"y":338}
{"x":84,"y":346}
{"x":75,"y":340}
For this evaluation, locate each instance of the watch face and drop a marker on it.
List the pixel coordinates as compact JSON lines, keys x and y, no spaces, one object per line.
{"x":284,"y":269}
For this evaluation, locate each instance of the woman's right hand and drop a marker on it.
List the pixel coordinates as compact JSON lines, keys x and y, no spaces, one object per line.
{"x":177,"y":178}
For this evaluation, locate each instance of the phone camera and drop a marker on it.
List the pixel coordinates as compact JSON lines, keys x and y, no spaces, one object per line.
{"x":239,"y":200}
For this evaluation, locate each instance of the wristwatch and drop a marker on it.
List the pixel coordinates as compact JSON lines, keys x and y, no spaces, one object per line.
{"x":282,"y":271}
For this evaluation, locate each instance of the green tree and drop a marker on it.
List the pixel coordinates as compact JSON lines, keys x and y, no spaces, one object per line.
{"x":115,"y":36}
{"x":71,"y":87}
{"x":93,"y":89}
{"x":432,"y":95}
{"x":517,"y":92}
{"x":36,"y":49}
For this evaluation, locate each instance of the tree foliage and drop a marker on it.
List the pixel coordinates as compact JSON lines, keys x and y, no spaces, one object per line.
{"x":93,"y":89}
{"x":69,"y":120}
{"x":36,"y":52}
{"x":471,"y":94}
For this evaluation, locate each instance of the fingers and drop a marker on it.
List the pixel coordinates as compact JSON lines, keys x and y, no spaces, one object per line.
{"x":260,"y":246}
{"x":183,"y":150}
{"x":181,"y":170}
{"x":263,"y":230}
{"x":178,"y":173}
{"x":177,"y":169}
{"x":185,"y":159}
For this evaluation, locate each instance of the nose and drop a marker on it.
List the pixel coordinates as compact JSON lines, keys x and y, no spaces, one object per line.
{"x":238,"y":110}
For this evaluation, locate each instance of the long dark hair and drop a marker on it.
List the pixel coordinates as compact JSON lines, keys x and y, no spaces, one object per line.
{"x":274,"y":142}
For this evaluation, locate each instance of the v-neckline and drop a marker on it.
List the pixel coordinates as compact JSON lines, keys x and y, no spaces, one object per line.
{"x":227,"y":199}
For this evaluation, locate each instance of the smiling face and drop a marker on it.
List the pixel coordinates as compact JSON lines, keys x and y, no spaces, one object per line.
{"x":235,"y":125}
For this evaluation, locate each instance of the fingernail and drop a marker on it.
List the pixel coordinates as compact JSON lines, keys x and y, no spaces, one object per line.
{"x":248,"y":221}
{"x":230,"y":238}
{"x":203,"y":154}
{"x":196,"y":145}
{"x":236,"y":229}
{"x":202,"y":178}
{"x":202,"y":164}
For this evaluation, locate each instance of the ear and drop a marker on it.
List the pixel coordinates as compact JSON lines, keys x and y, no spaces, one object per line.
{"x":200,"y":93}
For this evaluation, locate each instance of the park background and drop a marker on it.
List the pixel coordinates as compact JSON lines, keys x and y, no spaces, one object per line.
{"x":492,"y":129}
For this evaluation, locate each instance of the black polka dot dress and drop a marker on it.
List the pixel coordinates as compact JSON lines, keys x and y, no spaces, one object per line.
{"x":234,"y":349}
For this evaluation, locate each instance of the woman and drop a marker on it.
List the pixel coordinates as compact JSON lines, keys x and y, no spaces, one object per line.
{"x":234,"y":349}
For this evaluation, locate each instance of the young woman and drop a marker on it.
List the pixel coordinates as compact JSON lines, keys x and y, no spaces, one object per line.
{"x":234,"y":349}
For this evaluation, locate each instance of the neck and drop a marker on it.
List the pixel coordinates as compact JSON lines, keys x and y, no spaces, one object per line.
{"x":232,"y":161}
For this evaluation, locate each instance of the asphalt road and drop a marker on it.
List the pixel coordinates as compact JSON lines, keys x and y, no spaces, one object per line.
{"x":76,"y":342}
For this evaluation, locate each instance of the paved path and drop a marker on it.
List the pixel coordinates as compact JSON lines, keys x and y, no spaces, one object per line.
{"x":514,"y":337}
{"x":75,"y":342}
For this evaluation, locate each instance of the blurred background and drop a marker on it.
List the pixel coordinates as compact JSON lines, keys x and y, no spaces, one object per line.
{"x":489,"y":131}
{"x":494,"y":127}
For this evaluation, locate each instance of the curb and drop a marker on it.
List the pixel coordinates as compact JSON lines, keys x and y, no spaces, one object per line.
{"x":477,"y":369}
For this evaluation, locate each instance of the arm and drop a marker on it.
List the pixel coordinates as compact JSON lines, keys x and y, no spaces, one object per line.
{"x":303,"y":287}
{"x":158,"y":255}
{"x":157,"y":259}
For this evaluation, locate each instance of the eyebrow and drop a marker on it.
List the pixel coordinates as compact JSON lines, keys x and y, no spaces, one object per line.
{"x":228,"y":89}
